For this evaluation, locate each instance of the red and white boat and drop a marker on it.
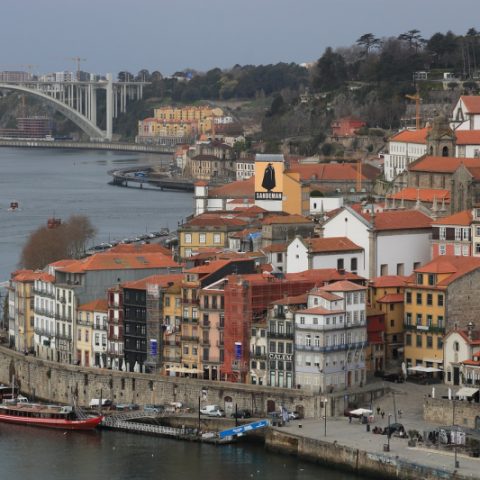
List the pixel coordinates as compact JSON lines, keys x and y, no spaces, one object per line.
{"x":51,"y":416}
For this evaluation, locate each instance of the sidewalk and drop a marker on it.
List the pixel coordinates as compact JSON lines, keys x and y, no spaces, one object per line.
{"x":409,"y":399}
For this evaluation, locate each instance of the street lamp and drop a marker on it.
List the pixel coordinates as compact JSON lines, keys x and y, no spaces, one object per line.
{"x":388,"y":433}
{"x":325,"y":413}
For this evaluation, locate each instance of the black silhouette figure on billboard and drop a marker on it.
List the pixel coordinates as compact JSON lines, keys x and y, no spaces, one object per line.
{"x":269,"y":178}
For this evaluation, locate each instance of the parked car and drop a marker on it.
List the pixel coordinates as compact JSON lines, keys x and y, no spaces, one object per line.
{"x":242,"y":413}
{"x":127,"y":406}
{"x":212,"y":411}
{"x":393,"y":377}
{"x":392,"y":428}
{"x":153,"y":408}
{"x":294,"y":415}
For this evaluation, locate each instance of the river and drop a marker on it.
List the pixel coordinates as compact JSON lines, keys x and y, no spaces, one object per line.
{"x":62,"y":183}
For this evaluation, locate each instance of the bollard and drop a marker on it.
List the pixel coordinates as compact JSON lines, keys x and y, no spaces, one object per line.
{"x":299,"y":425}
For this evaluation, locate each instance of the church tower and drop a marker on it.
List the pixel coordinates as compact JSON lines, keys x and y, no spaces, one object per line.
{"x":441,"y":139}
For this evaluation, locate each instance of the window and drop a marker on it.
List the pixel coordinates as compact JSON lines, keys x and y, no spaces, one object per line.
{"x":465,"y":250}
{"x":383,"y":269}
{"x":442,"y":233}
{"x":308,"y":340}
{"x":439,"y":343}
{"x":431,"y":279}
{"x":202,"y":238}
{"x":419,"y":341}
{"x":457,"y":250}
{"x":440,"y":321}
{"x":458,"y":234}
{"x":429,"y":341}
{"x":188,"y":238}
{"x":279,"y":257}
{"x":440,"y":300}
{"x":400,"y":268}
{"x":465,"y":233}
{"x":408,"y":297}
{"x":419,"y":318}
{"x":429,"y":299}
{"x":353,"y":265}
{"x":217,"y":238}
{"x":340,"y":265}
{"x":408,"y":339}
{"x":419,"y":278}
{"x":429,"y":321}
{"x":442,"y":249}
{"x":302,"y":320}
{"x":419,"y":298}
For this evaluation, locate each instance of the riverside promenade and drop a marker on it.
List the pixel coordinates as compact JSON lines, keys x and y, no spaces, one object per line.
{"x":408,"y":398}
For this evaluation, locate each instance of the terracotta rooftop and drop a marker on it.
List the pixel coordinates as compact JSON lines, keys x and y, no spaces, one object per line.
{"x":468,"y":137}
{"x":391,"y":298}
{"x":214,"y":265}
{"x":139,"y":249}
{"x":342,"y":286}
{"x":401,"y":220}
{"x":463,"y":218}
{"x":331,"y":297}
{"x":31,"y":276}
{"x":449,"y":264}
{"x":411,"y":136}
{"x":119,"y":261}
{"x":331,"y":244}
{"x":389,"y":281}
{"x":423,"y":194}
{"x":442,"y":164}
{"x":286,"y":219}
{"x":295,"y":300}
{"x":275,"y":248}
{"x":215,"y":220}
{"x":471,"y":102}
{"x":334,"y":171}
{"x":160,"y":280}
{"x":99,"y":305}
{"x":239,"y":189}
{"x":320,"y":311}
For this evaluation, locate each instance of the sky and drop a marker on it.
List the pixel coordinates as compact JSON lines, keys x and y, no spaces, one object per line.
{"x":171,"y":35}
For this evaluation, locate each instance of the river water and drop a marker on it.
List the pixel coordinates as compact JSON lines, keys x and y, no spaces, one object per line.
{"x":62,"y":183}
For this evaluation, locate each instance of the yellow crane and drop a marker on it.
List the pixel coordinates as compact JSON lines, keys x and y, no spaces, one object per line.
{"x":417,"y":99}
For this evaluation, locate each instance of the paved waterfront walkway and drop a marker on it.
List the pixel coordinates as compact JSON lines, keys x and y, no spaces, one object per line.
{"x":408,"y":398}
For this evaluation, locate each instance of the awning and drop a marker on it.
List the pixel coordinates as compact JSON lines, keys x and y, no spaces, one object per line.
{"x":361,"y":411}
{"x":424,"y":369}
{"x":466,"y":392}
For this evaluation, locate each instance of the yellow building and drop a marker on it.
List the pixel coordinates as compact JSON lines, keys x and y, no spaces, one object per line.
{"x":207,"y":230}
{"x":387,"y":296}
{"x":22,"y":308}
{"x":172,"y":319}
{"x":440,"y":295}
{"x":187,"y":113}
{"x":83,"y":340}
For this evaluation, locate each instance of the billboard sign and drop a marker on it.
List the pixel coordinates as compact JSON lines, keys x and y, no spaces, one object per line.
{"x":269,"y":177}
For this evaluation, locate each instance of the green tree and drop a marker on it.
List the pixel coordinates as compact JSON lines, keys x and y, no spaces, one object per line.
{"x":368,"y":42}
{"x":330,"y":72}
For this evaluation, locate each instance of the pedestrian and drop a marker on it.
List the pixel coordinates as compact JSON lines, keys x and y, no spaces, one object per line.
{"x":382,"y":414}
{"x":349,"y":419}
{"x":378,"y":410}
{"x":400,"y":413}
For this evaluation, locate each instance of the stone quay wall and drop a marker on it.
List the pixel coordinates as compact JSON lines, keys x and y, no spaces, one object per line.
{"x":352,"y":459}
{"x":60,"y":383}
{"x":440,"y":411}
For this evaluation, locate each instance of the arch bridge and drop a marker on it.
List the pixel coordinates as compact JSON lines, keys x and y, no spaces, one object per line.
{"x":77,"y":100}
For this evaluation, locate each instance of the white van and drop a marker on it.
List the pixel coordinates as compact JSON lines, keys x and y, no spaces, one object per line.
{"x":212,"y":411}
{"x":95,"y":402}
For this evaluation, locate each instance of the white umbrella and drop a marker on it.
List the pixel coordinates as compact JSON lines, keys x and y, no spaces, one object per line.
{"x":101,"y":362}
{"x":124,"y":365}
{"x":136,"y":367}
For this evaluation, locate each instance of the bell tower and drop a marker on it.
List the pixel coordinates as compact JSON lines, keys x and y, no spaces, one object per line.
{"x":441,"y":139}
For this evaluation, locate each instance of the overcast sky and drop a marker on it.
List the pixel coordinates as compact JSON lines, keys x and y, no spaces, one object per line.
{"x":169,"y":35}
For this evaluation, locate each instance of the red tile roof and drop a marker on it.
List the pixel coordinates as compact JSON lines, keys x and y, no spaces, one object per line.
{"x":342,"y":286}
{"x":215,"y":220}
{"x":160,"y":280}
{"x":423,"y":194}
{"x":275,"y":248}
{"x":295,"y":300}
{"x":402,"y":220}
{"x":442,"y":164}
{"x":320,"y":311}
{"x":31,"y":276}
{"x":471,"y":102}
{"x":468,"y":137}
{"x":411,"y":136}
{"x":387,"y":281}
{"x":331,"y":297}
{"x":391,"y":298}
{"x":239,"y":189}
{"x":456,"y":266}
{"x":119,"y":261}
{"x":331,"y":244}
{"x":463,"y":218}
{"x":214,"y":265}
{"x":286,"y":219}
{"x":334,"y":172}
{"x":99,"y":305}
{"x":139,"y":249}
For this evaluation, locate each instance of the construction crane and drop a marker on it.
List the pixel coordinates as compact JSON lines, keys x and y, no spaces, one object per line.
{"x":417,"y":99}
{"x":77,"y":61}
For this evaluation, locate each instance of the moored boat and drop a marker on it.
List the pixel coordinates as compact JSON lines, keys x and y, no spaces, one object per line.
{"x":64,"y":417}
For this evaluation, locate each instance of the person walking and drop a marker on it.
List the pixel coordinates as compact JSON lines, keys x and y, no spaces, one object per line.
{"x":382,"y":414}
{"x":378,"y":410}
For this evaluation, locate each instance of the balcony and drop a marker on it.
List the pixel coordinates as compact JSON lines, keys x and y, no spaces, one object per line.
{"x":44,"y":293}
{"x":44,"y":312}
{"x":193,"y":321}
{"x":424,"y":329}
{"x":331,"y":348}
{"x":61,"y":299}
{"x":64,"y":336}
{"x":42,"y":332}
{"x":185,"y":338}
{"x":190,"y":301}
{"x":85,"y":323}
{"x":259,"y":355}
{"x":172,"y":358}
{"x":205,"y":342}
{"x":284,"y":335}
